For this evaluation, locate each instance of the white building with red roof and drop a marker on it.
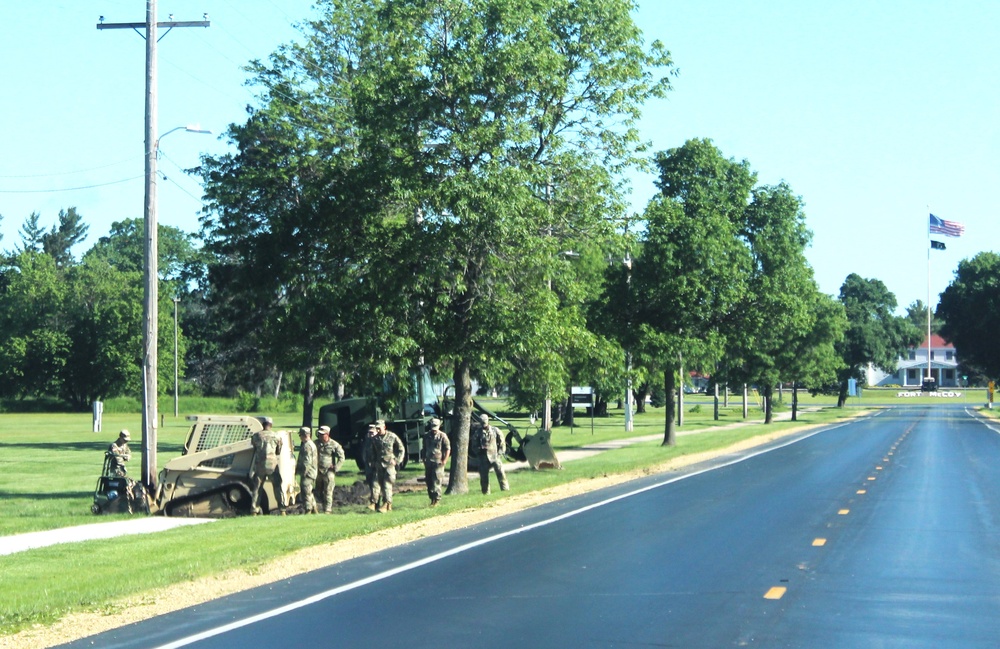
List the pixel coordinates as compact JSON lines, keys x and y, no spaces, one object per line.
{"x":911,"y":370}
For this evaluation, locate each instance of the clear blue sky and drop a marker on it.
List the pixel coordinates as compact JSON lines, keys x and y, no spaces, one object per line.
{"x":873,"y":112}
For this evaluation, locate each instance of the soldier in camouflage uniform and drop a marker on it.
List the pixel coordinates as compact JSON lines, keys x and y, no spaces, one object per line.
{"x":437,"y":449}
{"x":487,"y":441}
{"x":366,"y":451}
{"x":266,"y":449}
{"x":385,"y":452}
{"x":330,"y":455}
{"x":306,"y":467}
{"x":119,"y":453}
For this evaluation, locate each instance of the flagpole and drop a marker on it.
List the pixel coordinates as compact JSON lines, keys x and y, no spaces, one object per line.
{"x":928,"y":306}
{"x":928,"y":296}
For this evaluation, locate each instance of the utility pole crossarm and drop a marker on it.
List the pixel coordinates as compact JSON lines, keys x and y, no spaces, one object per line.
{"x":169,"y":24}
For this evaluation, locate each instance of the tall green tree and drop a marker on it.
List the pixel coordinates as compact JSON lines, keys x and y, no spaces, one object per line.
{"x":31,"y":233}
{"x":692,"y":269}
{"x":916,"y":313}
{"x":777,"y":308}
{"x":34,"y":341}
{"x":66,"y":233}
{"x":459,"y":145}
{"x":969,"y":308}
{"x":103,"y":314}
{"x":875,"y":335}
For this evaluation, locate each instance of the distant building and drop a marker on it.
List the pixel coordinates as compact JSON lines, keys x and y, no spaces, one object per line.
{"x":911,"y":370}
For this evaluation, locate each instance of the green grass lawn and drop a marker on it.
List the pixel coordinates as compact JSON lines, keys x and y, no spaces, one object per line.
{"x":49,"y":465}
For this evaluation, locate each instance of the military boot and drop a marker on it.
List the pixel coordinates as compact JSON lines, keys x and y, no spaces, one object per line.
{"x":388,"y":507}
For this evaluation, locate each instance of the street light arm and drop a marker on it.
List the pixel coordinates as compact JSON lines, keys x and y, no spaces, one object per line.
{"x":190,"y":128}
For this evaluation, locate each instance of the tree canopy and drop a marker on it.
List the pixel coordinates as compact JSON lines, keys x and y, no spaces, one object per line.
{"x":969,"y":307}
{"x":419,"y":167}
{"x":874,"y":334}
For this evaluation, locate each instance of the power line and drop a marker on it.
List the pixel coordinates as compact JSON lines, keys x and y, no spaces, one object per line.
{"x":69,"y":173}
{"x":66,"y":189}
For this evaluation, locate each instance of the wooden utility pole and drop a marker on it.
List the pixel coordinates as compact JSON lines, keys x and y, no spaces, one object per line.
{"x":150,"y":332}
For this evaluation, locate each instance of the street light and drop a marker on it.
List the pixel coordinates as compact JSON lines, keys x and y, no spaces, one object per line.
{"x":628,"y":353}
{"x":150,"y":331}
{"x":176,"y":302}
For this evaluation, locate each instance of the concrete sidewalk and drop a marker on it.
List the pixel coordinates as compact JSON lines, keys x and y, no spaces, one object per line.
{"x":111,"y":529}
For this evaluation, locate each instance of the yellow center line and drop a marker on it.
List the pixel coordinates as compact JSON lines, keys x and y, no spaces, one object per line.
{"x":871,"y":478}
{"x":844,"y":512}
{"x":818,"y":543}
{"x":862,"y":491}
{"x":777,"y":592}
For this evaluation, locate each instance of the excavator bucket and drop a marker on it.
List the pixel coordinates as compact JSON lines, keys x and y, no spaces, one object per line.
{"x":538,"y":451}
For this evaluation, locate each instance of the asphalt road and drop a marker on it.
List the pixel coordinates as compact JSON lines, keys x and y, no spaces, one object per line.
{"x":879,"y":533}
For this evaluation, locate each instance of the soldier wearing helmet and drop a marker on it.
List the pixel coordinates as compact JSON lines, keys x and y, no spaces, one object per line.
{"x":330,"y":455}
{"x":489,"y":446}
{"x":305,"y":467}
{"x":118,"y":454}
{"x":437,"y":449}
{"x":385,"y":453}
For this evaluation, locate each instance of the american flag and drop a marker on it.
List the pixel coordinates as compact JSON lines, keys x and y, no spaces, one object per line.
{"x":947,"y":228}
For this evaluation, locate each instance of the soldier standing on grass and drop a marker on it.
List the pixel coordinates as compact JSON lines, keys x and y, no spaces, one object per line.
{"x":330,"y":455}
{"x":306,"y":467}
{"x":385,"y":452}
{"x":266,"y":450}
{"x":437,"y":449}
{"x":488,"y":443}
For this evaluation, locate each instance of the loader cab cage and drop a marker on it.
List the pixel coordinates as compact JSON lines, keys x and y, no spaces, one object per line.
{"x":214,"y":435}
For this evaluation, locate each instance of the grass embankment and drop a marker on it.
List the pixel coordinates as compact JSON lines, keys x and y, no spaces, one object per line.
{"x":50,"y":465}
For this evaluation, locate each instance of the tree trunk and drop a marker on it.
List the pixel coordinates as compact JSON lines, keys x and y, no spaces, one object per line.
{"x":339,"y":391}
{"x":669,"y":383}
{"x":602,"y":408}
{"x":458,"y":478}
{"x":842,"y":397}
{"x":767,"y":396}
{"x":277,"y":385}
{"x":567,"y":419}
{"x":795,"y":401}
{"x":558,"y":412}
{"x":640,"y":398}
{"x":716,"y":402}
{"x":308,"y":397}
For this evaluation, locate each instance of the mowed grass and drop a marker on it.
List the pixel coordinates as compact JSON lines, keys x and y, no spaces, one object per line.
{"x":49,"y":465}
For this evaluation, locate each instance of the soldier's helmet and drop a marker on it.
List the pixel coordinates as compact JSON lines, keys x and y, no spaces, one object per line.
{"x":125,"y":434}
{"x":435,"y":423}
{"x":267,"y":421}
{"x":484,"y":418}
{"x":305,"y":431}
{"x":324,"y":430}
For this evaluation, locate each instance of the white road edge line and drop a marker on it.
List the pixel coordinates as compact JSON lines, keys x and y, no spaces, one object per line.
{"x":982,"y":419}
{"x":318,"y":597}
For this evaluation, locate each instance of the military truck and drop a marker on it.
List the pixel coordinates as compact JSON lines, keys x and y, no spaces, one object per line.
{"x":212,"y":476}
{"x":348,"y":420}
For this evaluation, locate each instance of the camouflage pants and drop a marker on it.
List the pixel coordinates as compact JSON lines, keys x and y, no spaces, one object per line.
{"x":434,"y":477}
{"x":484,"y":474}
{"x":257,"y":481}
{"x":324,"y":489}
{"x":382,"y":485}
{"x":306,"y":486}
